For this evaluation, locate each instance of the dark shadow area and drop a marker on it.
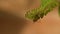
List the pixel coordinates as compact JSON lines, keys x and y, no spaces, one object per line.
{"x":10,"y":24}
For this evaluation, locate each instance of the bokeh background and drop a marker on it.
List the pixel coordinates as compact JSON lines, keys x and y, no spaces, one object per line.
{"x":12,"y":20}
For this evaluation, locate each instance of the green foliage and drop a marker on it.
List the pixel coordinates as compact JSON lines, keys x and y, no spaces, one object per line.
{"x":45,"y":7}
{"x":59,"y":8}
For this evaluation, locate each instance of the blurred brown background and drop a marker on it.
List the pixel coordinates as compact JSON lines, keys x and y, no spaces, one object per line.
{"x":12,"y":19}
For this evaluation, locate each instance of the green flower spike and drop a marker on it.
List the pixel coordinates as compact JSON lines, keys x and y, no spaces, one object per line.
{"x":45,"y":7}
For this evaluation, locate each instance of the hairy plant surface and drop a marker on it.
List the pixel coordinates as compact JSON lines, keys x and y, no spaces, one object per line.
{"x":45,"y":7}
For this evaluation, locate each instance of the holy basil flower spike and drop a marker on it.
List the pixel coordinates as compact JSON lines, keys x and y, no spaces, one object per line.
{"x":45,"y":7}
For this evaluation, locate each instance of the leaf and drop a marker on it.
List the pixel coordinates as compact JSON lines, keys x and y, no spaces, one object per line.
{"x":45,"y":7}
